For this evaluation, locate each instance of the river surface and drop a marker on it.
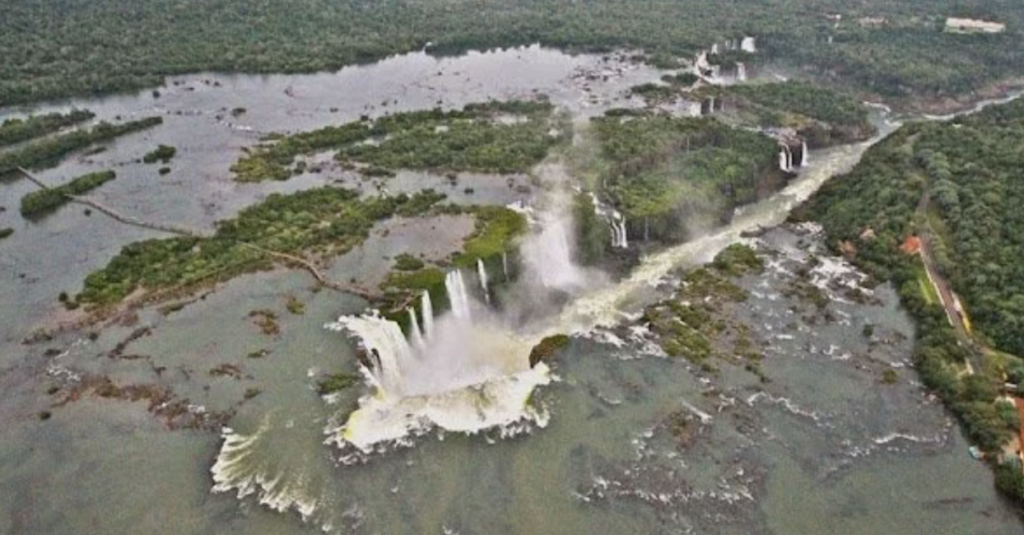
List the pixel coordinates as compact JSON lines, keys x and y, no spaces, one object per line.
{"x":825,"y":447}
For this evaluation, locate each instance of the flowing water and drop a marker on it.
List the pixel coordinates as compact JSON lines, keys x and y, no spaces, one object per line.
{"x":455,"y":433}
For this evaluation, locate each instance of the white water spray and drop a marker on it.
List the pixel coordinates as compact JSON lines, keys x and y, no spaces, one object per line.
{"x":457,"y":295}
{"x":428,"y":315}
{"x":805,"y":157}
{"x":414,"y":330}
{"x":481,"y":273}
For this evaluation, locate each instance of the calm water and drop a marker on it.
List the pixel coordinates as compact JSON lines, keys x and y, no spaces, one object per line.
{"x":823,"y":448}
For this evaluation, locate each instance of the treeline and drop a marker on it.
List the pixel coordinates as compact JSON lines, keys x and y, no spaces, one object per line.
{"x":968,"y":171}
{"x":74,"y":48}
{"x":325,"y":222}
{"x":49,"y":199}
{"x":163,"y":153}
{"x":17,"y":130}
{"x":665,"y":173}
{"x":49,"y":152}
{"x":821,"y":115}
{"x":501,"y":137}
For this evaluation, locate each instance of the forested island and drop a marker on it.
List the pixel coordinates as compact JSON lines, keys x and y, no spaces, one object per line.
{"x":17,"y":130}
{"x":48,"y":152}
{"x":498,"y":137}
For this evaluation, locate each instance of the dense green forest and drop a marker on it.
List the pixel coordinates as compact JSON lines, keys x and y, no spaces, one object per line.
{"x":820,"y":115}
{"x":326,"y":221}
{"x":46,"y":200}
{"x":667,"y":174}
{"x":65,"y":47}
{"x":960,"y":184}
{"x":500,"y":137}
{"x":162,"y":153}
{"x":49,"y":151}
{"x":17,"y":130}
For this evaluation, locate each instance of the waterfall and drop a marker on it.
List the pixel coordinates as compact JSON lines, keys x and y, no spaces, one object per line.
{"x":782,"y":160}
{"x":388,"y":349}
{"x":748,"y":45}
{"x":741,"y":72}
{"x":481,"y":272}
{"x":619,"y":238}
{"x":789,"y":158}
{"x":805,"y":157}
{"x":714,"y":48}
{"x":428,"y":315}
{"x":414,"y":330}
{"x":457,"y":296}
{"x":504,"y":264}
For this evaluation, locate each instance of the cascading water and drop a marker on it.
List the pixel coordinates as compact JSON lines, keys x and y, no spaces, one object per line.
{"x":481,"y":272}
{"x":620,"y":238}
{"x":547,"y":253}
{"x":741,"y":72}
{"x":784,"y":159}
{"x":748,"y":45}
{"x":428,"y":315}
{"x":504,"y":264}
{"x":470,"y":374}
{"x":414,"y":330}
{"x":457,"y":295}
{"x":805,"y":157}
{"x":616,"y":223}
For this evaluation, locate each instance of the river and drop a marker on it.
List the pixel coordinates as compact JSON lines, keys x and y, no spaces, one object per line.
{"x":824,"y":447}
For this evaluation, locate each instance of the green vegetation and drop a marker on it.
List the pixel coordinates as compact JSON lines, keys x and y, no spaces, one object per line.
{"x":266,"y":320}
{"x":824,"y":117}
{"x":686,"y":323}
{"x":17,"y":130}
{"x":737,"y":259}
{"x":295,"y":306}
{"x":970,"y":170}
{"x":592,"y":234}
{"x":6,"y":232}
{"x":408,"y":262}
{"x":325,"y":221}
{"x":496,"y":229}
{"x":501,"y":137}
{"x":49,"y":152}
{"x":820,"y":115}
{"x":77,"y":48}
{"x":806,"y":99}
{"x":663,"y":172}
{"x":548,"y":348}
{"x":162,"y":154}
{"x":46,"y":200}
{"x":335,"y":382}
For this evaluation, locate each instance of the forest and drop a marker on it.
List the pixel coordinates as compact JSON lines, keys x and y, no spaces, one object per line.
{"x":957,"y":182}
{"x":46,"y":200}
{"x":49,"y":151}
{"x":17,"y":130}
{"x":64,"y":47}
{"x":498,"y":137}
{"x":323,"y":222}
{"x":670,"y":176}
{"x":820,"y":115}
